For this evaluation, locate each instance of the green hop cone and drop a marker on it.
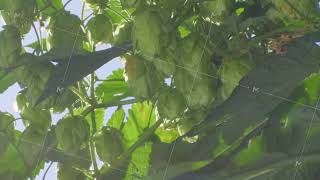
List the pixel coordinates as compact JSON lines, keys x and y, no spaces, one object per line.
{"x":72,"y":133}
{"x":10,"y":46}
{"x":101,"y":4}
{"x":7,"y":126}
{"x":65,"y":34}
{"x":190,"y":119}
{"x":123,"y":33}
{"x":35,"y":116}
{"x":195,"y":54}
{"x":202,"y":94}
{"x":30,"y":144}
{"x":108,"y":144}
{"x":135,"y":75}
{"x":33,"y":76}
{"x":183,"y":80}
{"x":166,"y":63}
{"x":171,"y":104}
{"x":19,"y":13}
{"x":147,"y":33}
{"x":134,"y":67}
{"x":100,"y":29}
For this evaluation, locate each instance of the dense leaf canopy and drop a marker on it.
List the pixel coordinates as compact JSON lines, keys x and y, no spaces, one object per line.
{"x":211,"y":89}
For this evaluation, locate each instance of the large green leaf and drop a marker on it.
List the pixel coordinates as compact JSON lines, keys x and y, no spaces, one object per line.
{"x":141,"y":116}
{"x":139,"y":164}
{"x":114,"y":88}
{"x":117,"y":119}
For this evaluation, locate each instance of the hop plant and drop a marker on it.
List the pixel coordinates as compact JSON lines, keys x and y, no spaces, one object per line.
{"x":108,"y":144}
{"x":147,"y":32}
{"x":141,"y":79}
{"x":65,"y":34}
{"x":100,"y":29}
{"x":10,"y":46}
{"x":30,"y":144}
{"x":171,"y":104}
{"x":123,"y":33}
{"x":6,"y":125}
{"x":33,"y":76}
{"x":72,"y":133}
{"x":19,"y":13}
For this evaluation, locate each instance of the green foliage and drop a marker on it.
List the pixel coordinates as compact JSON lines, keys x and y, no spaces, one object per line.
{"x":72,"y":133}
{"x":19,"y":13}
{"x":114,"y":88}
{"x":214,"y":89}
{"x":10,"y":46}
{"x":100,"y":29}
{"x":60,"y":43}
{"x":108,"y":144}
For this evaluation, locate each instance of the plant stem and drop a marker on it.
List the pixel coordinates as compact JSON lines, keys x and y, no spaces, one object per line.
{"x":38,"y":37}
{"x":82,"y":96}
{"x":93,"y":158}
{"x":109,"y":104}
{"x":93,"y":102}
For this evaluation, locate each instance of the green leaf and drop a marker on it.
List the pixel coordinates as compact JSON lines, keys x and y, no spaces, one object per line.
{"x":138,"y":120}
{"x":139,"y":164}
{"x":117,"y":119}
{"x":6,"y":80}
{"x":11,"y":162}
{"x":115,"y":12}
{"x":99,"y":114}
{"x":114,"y":89}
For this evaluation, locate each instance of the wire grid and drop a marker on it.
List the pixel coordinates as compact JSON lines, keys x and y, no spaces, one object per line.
{"x":150,"y":58}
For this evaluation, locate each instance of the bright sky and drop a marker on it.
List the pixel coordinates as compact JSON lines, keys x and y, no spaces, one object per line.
{"x":7,"y":99}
